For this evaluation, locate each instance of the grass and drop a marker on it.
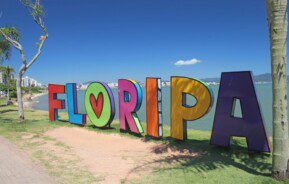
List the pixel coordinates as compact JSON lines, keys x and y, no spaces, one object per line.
{"x":29,"y":136}
{"x":212,"y":165}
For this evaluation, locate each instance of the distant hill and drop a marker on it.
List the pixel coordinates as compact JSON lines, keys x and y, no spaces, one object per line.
{"x":216,"y":79}
{"x":266,"y":77}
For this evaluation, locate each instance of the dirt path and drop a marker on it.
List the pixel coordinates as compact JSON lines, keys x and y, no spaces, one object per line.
{"x":16,"y":167}
{"x":113,"y":157}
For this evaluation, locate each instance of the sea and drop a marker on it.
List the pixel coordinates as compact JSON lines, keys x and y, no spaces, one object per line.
{"x":264,"y":95}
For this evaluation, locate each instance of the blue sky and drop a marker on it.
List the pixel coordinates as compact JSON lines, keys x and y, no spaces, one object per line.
{"x":104,"y":40}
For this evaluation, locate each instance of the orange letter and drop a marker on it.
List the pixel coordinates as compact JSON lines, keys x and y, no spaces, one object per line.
{"x":154,"y":107}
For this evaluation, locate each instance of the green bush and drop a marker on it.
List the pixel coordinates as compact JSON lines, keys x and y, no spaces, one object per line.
{"x":32,"y":89}
{"x":13,"y":94}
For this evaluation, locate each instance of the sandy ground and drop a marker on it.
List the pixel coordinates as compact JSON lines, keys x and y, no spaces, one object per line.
{"x":113,"y":157}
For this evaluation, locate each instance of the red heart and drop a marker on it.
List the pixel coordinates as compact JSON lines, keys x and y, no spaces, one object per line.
{"x":97,"y":104}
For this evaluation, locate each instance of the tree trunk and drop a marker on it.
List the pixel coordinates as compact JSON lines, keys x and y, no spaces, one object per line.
{"x":19,"y":97}
{"x":277,"y":22}
{"x":8,"y":95}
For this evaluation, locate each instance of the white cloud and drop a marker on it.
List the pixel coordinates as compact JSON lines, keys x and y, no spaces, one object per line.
{"x":187,"y":62}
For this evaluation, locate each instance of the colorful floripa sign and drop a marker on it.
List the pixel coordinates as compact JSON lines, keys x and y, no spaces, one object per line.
{"x":100,"y":107}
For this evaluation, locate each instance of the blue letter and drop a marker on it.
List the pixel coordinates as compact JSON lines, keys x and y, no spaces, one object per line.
{"x":74,"y":117}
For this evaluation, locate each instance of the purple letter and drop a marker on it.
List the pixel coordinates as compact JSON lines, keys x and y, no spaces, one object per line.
{"x":239,"y":85}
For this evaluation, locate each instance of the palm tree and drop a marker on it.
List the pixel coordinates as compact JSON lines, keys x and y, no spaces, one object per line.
{"x":7,"y":75}
{"x":277,"y":23}
{"x":5,"y":54}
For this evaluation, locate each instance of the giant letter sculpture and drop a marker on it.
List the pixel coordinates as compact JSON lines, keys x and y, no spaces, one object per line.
{"x":54,"y":103}
{"x":130,"y":98}
{"x":99,"y":104}
{"x":239,"y":85}
{"x":74,"y":117}
{"x":154,"y":107}
{"x":180,"y":111}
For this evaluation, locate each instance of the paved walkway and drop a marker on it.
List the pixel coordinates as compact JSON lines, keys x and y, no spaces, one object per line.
{"x":16,"y":167}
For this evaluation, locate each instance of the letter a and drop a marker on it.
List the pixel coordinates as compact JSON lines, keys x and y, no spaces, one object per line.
{"x":239,"y":85}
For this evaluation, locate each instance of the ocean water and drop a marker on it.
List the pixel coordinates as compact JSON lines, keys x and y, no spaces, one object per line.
{"x":264,"y":94}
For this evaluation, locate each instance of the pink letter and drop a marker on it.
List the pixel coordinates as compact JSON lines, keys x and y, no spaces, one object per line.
{"x":130,"y":98}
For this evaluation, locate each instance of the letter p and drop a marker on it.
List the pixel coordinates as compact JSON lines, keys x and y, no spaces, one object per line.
{"x":180,"y":111}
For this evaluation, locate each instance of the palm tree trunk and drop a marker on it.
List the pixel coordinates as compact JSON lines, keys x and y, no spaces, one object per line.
{"x":8,"y":95}
{"x":9,"y":71}
{"x":277,"y":22}
{"x":19,"y":97}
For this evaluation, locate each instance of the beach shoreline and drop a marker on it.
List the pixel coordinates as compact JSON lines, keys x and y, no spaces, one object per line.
{"x":30,"y":100}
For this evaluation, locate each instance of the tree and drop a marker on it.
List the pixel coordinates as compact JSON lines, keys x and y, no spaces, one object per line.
{"x":277,"y":23}
{"x":5,"y":47}
{"x":36,"y":11}
{"x":7,"y":73}
{"x":5,"y":50}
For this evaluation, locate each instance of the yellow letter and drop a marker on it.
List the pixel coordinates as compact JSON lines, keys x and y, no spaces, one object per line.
{"x":180,"y":111}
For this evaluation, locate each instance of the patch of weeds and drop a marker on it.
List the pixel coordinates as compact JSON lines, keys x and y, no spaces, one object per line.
{"x":61,"y":144}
